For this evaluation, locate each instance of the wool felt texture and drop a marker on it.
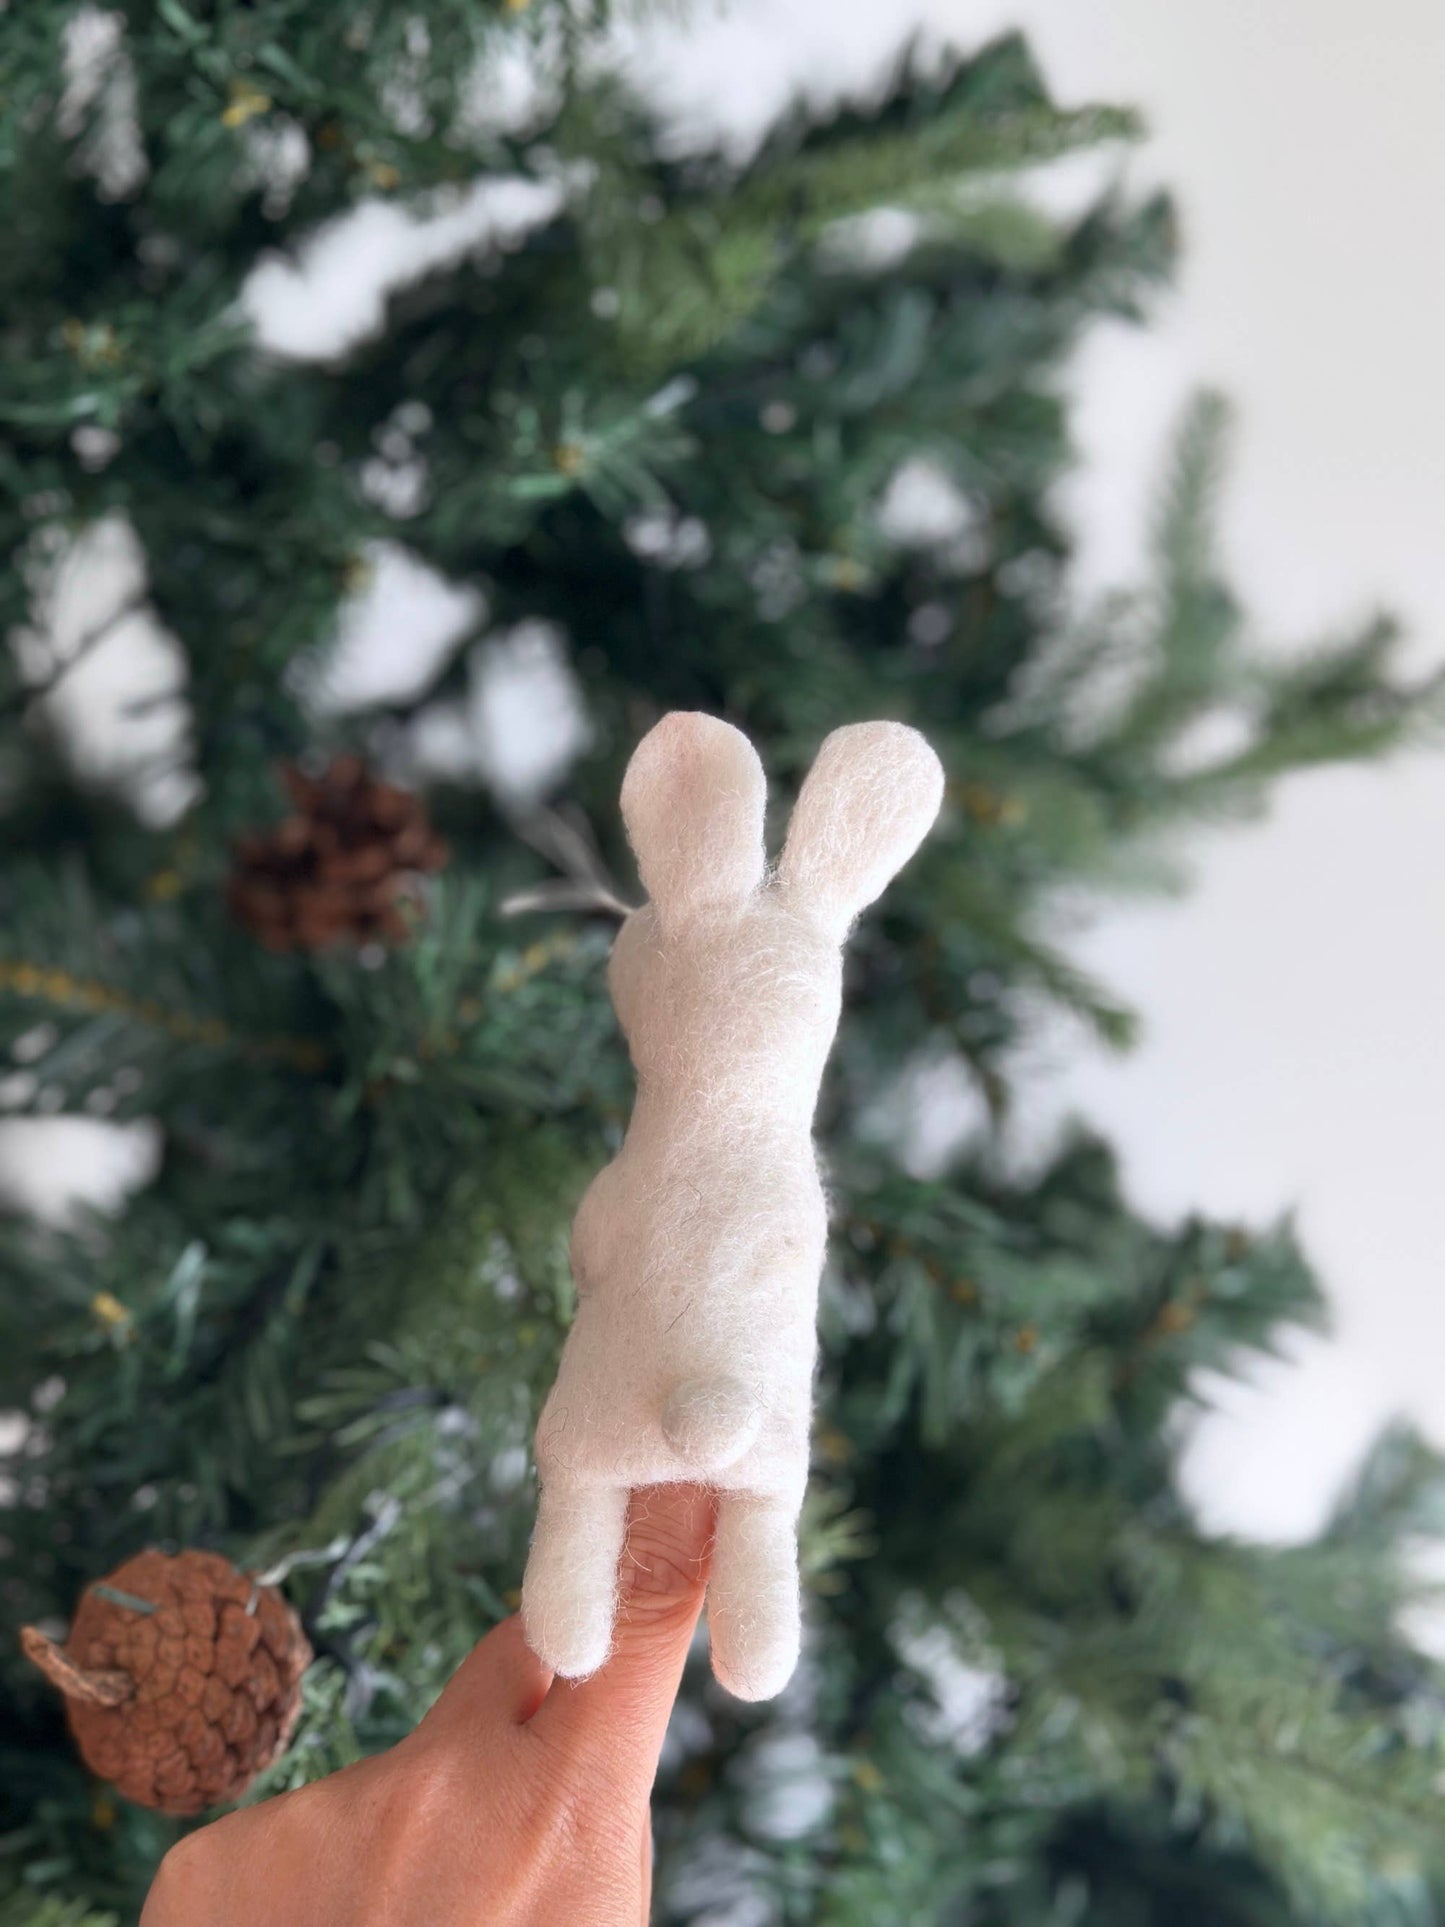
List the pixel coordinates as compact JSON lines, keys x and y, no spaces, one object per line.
{"x":697,"y":1251}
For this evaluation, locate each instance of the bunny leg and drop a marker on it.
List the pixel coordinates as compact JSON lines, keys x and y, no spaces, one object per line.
{"x":569,"y":1594}
{"x":754,"y":1612}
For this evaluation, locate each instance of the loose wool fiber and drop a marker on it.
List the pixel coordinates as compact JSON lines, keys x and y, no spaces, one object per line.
{"x":697,"y":1251}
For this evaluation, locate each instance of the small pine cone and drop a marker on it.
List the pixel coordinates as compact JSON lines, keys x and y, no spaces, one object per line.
{"x":339,"y":868}
{"x":181,"y":1676}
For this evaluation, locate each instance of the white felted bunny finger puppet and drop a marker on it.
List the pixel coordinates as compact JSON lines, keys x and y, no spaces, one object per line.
{"x":697,"y":1251}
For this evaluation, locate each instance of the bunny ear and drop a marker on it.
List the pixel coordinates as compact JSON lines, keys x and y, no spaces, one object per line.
{"x":693,"y":800}
{"x":867,"y":804}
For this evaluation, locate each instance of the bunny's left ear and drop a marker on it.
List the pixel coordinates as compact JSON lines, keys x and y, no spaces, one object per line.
{"x":868,"y":802}
{"x":693,"y":801}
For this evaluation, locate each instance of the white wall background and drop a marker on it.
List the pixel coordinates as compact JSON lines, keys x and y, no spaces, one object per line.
{"x":1295,"y":1049}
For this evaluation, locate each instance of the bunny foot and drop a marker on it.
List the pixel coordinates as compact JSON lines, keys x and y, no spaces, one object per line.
{"x":569,"y":1595}
{"x":754,"y":1610}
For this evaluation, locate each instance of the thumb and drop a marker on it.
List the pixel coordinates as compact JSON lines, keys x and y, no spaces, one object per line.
{"x":614,"y":1722}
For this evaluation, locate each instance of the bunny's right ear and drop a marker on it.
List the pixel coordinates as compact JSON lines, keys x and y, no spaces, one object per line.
{"x":693,"y":800}
{"x":868,"y":802}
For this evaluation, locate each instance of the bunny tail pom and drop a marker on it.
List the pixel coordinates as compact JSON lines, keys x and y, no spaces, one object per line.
{"x":711,"y":1422}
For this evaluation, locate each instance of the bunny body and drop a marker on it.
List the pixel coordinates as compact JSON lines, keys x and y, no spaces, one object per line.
{"x":697,"y":1252}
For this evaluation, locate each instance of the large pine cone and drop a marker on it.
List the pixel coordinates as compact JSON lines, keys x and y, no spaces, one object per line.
{"x":182,"y":1678}
{"x":338,"y":869}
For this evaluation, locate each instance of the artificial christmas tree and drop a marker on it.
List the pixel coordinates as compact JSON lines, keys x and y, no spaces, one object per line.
{"x":661,"y":420}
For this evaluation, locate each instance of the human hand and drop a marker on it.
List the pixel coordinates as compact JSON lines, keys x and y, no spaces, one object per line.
{"x":517,"y":1802}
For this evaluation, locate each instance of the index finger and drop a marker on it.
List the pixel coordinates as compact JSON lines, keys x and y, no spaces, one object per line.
{"x":500,"y":1682}
{"x":618,"y":1717}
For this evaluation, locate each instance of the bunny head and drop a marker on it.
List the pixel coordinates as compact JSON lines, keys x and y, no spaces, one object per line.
{"x":728,"y":973}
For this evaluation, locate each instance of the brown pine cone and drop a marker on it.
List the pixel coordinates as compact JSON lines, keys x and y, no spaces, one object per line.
{"x":339,"y":868}
{"x":181,"y":1676}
